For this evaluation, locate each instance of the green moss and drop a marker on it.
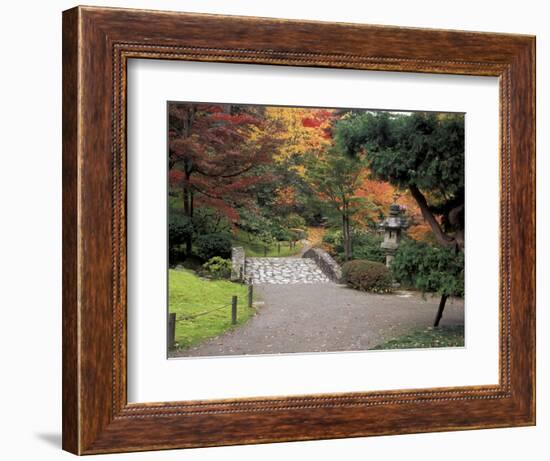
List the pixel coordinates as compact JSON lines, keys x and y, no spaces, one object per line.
{"x":190,"y":295}
{"x":430,"y":337}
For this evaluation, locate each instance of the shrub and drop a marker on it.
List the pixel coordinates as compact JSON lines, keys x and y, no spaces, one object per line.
{"x":297,"y":234}
{"x":218,"y":268}
{"x":294,"y":220}
{"x":367,"y":276}
{"x":179,"y":227}
{"x":365,"y":245}
{"x":332,"y":243}
{"x":176,"y":254}
{"x":332,"y":237}
{"x":430,"y":268}
{"x":210,"y":221}
{"x":279,"y":233}
{"x":209,"y":245}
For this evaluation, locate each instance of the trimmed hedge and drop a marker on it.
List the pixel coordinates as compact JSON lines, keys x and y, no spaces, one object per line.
{"x":366,"y":275}
{"x":209,"y":245}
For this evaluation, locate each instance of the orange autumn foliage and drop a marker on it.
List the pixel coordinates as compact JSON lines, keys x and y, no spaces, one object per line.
{"x":379,"y":195}
{"x":286,"y":196}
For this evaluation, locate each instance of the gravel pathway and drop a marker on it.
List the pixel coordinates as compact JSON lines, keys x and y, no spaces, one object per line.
{"x":319,"y":317}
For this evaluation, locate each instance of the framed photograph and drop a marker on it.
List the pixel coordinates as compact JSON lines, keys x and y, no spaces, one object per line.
{"x":284,"y":230}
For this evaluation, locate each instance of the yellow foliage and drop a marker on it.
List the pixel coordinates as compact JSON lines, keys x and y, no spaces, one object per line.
{"x":296,"y":138}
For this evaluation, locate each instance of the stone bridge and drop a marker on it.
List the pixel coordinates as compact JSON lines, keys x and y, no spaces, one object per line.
{"x":283,"y":271}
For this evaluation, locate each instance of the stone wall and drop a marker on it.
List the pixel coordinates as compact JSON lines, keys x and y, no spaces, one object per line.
{"x":237,"y":263}
{"x":326,"y":263}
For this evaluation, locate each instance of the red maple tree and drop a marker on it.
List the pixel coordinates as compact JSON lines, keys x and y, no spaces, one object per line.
{"x":212,"y":152}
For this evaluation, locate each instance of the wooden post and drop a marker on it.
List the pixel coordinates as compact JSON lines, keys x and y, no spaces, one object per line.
{"x":171,"y":336}
{"x":265,"y":251}
{"x":241,"y":277}
{"x":234,"y":310}
{"x":278,"y":248}
{"x":250,"y":294}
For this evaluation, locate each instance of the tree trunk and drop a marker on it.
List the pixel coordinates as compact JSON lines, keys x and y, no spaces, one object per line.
{"x":345,"y":236}
{"x":188,"y":212}
{"x":440,"y":310}
{"x":348,"y":239}
{"x":188,"y":245}
{"x":440,"y":235}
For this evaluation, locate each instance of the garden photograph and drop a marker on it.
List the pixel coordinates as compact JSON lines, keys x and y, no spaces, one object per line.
{"x":311,"y":229}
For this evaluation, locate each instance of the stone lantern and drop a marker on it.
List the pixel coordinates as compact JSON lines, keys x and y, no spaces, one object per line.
{"x":392,"y":227}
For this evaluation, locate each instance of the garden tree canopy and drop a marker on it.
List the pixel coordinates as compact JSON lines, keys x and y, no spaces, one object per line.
{"x":212,"y":151}
{"x":430,"y":268}
{"x":300,"y":132}
{"x":424,"y":153}
{"x":336,"y":178}
{"x":421,"y":152}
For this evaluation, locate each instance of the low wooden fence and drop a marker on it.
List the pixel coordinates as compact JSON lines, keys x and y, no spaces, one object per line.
{"x":173,"y":318}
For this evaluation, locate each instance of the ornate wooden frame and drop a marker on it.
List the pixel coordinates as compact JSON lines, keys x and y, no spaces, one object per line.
{"x":97,"y":43}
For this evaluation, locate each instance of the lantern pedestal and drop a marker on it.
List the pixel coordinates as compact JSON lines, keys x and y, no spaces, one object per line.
{"x":393,"y":226}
